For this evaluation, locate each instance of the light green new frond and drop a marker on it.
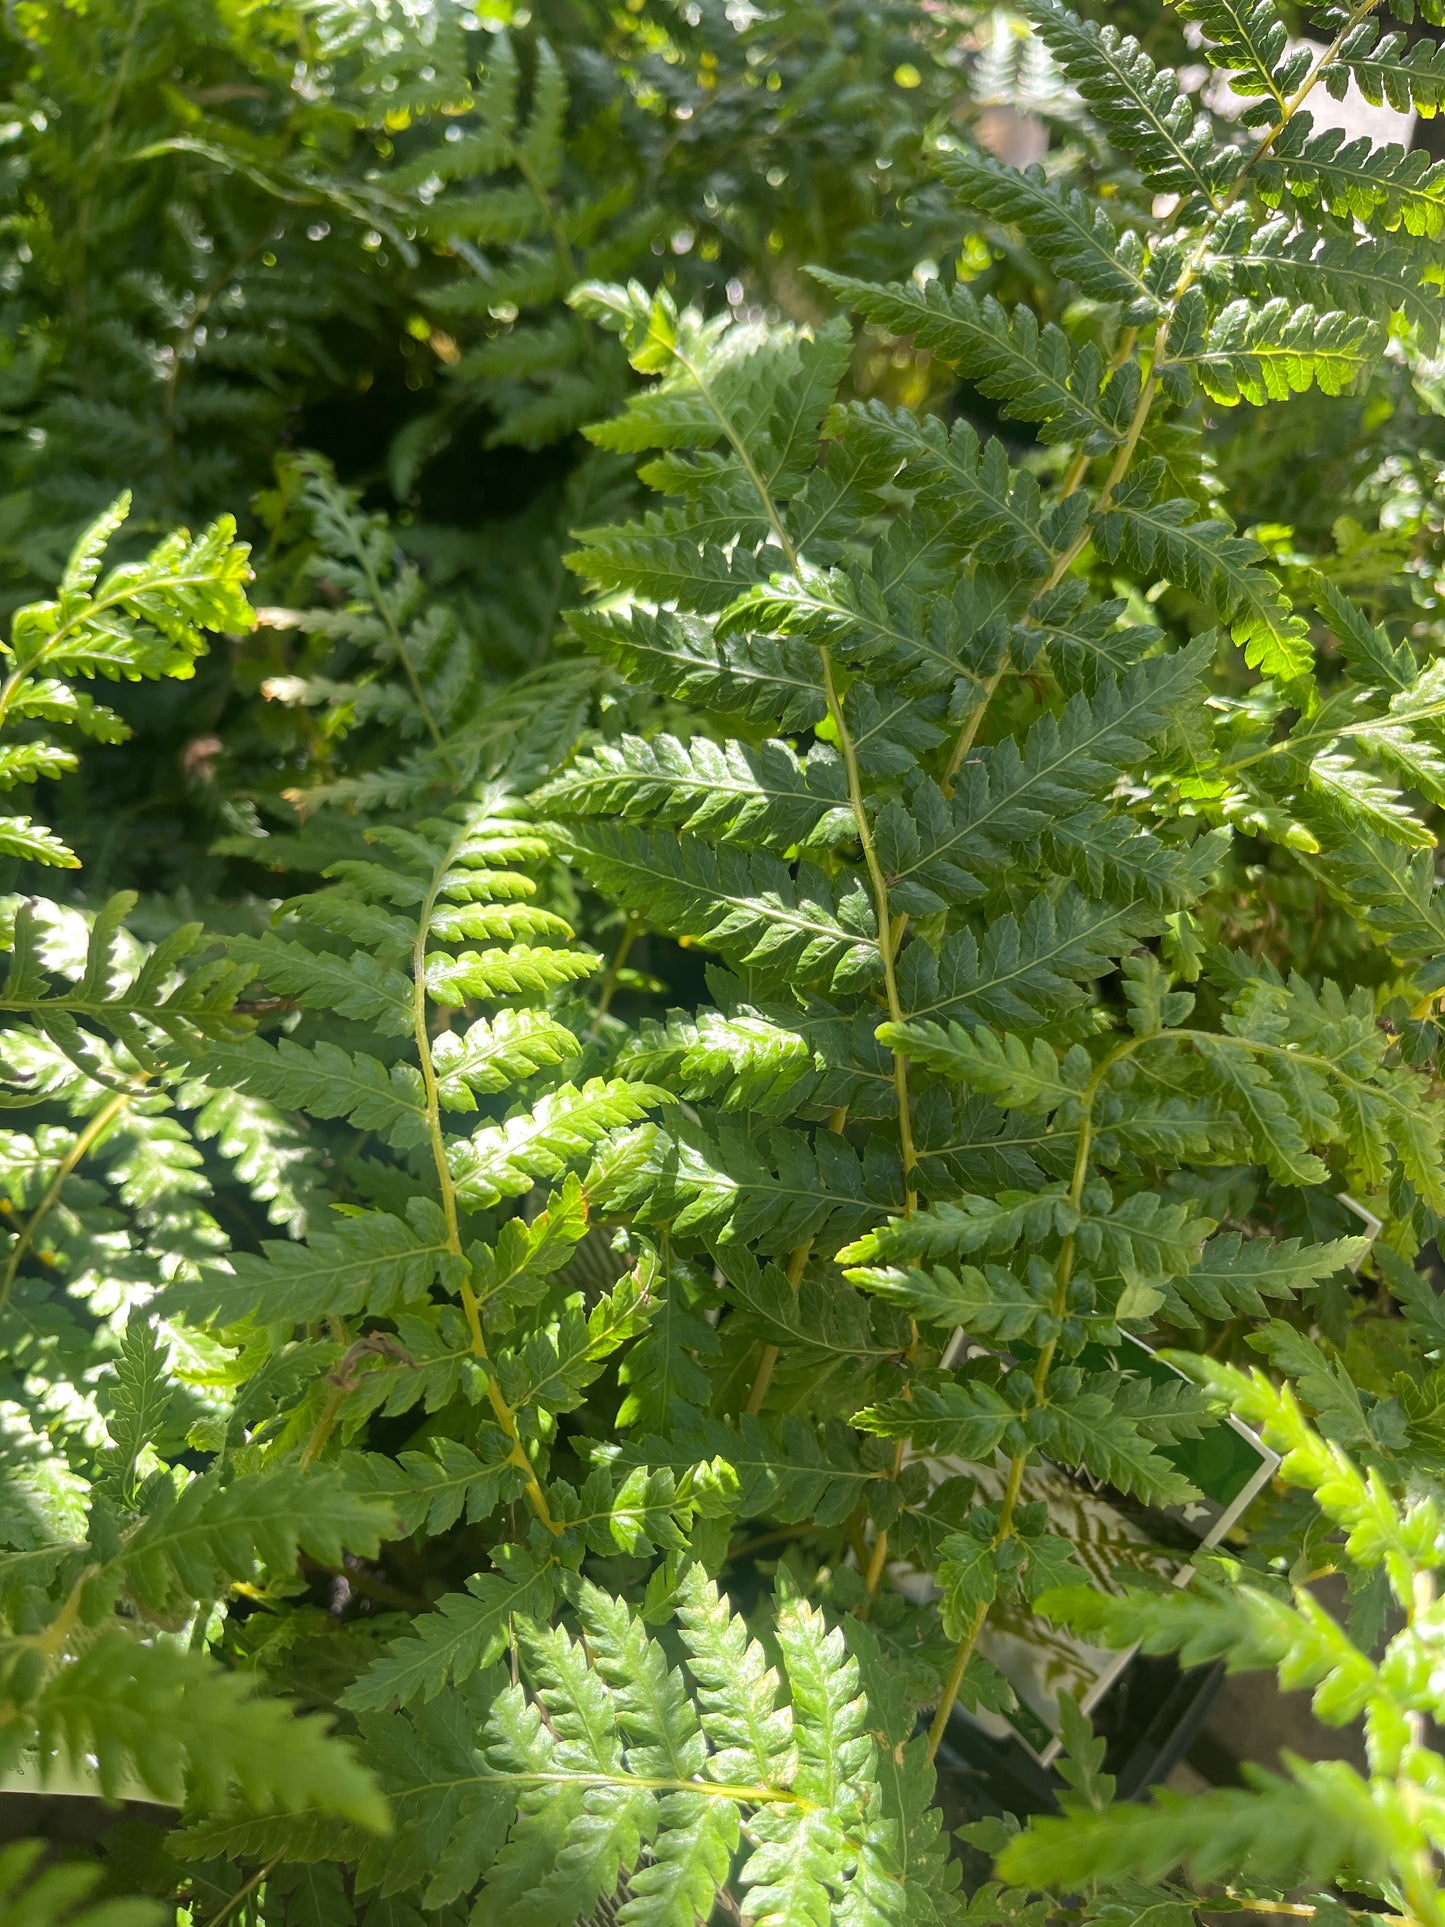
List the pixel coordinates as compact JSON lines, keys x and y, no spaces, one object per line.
{"x":1317,"y":1826}
{"x":568,"y":1846}
{"x":750,"y":1734}
{"x":1250,"y":1629}
{"x":1378,"y":1532}
{"x":30,"y":842}
{"x":142,"y":619}
{"x":609,"y":1752}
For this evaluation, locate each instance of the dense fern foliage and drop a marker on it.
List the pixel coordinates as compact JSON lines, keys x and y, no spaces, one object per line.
{"x":231,"y":230}
{"x":557,"y":1235}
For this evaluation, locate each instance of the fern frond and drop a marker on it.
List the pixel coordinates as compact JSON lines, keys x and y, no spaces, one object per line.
{"x":765,"y":798}
{"x":1383,"y":187}
{"x":179,"y":1723}
{"x":1035,"y":375}
{"x":1267,"y":353}
{"x":1141,"y":108}
{"x":747,"y":906}
{"x":1077,"y":239}
{"x":1387,"y":72}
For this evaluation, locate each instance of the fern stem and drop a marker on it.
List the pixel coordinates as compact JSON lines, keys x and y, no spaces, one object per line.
{"x":325,"y":1424}
{"x":966,"y":735}
{"x":878,"y":1558}
{"x":85,"y":1141}
{"x":1149,"y":389}
{"x":954,"y":1681}
{"x":889,"y":932}
{"x":741,"y":1794}
{"x":888,"y":935}
{"x":403,"y":655}
{"x":767,"y":1362}
{"x":1301,"y":738}
{"x":609,"y":982}
{"x":505,"y":1416}
{"x":1043,"y":1365}
{"x":242,"y":1894}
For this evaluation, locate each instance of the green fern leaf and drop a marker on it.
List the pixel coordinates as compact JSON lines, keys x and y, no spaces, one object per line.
{"x":467,"y":1632}
{"x":1383,"y":187}
{"x":374,"y":1262}
{"x":749,"y":907}
{"x":505,"y":1160}
{"x":1268,"y":353}
{"x":1140,"y":108}
{"x":1034,"y":375}
{"x":1076,"y":238}
{"x":763,"y":799}
{"x":776,"y":685}
{"x":1387,"y":72}
{"x":180,"y":1724}
{"x":1216,"y":565}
